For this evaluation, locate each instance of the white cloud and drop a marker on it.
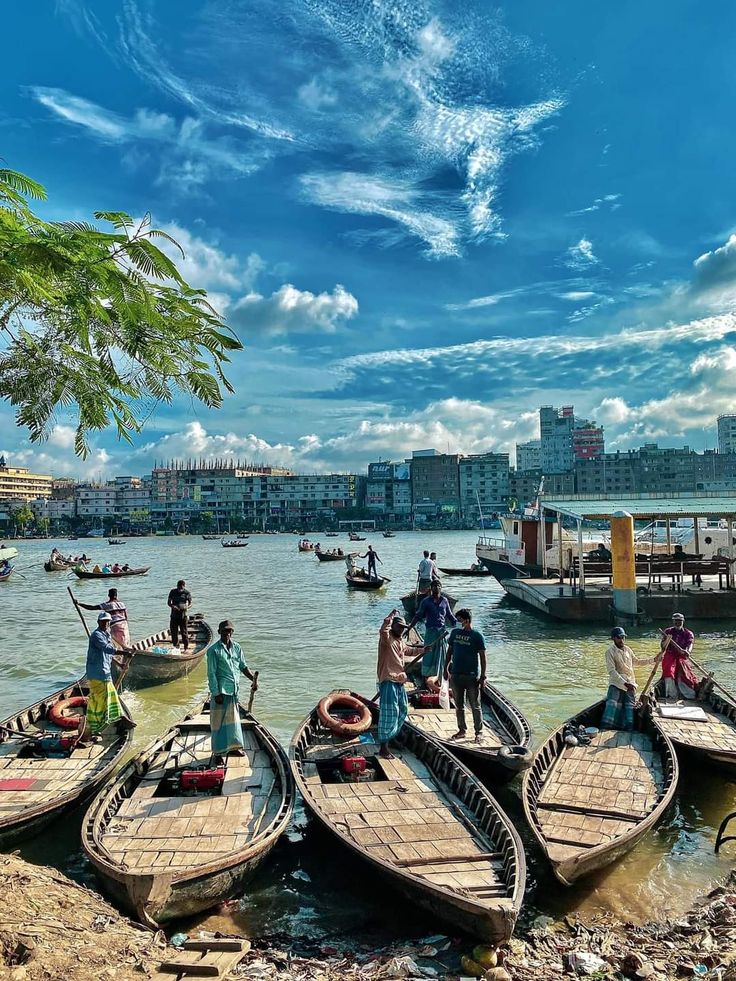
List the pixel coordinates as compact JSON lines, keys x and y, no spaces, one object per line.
{"x":716,"y":270}
{"x":290,"y":310}
{"x":316,"y":94}
{"x":581,"y":255}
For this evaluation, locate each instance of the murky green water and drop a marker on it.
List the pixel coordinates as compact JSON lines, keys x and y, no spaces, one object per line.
{"x":307,"y":634}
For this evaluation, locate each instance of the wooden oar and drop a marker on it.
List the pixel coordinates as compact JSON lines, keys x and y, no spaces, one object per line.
{"x":76,"y":607}
{"x":252,"y":692}
{"x":657,"y":663}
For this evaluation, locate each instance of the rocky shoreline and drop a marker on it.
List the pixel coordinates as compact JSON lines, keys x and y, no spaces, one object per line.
{"x":52,"y":929}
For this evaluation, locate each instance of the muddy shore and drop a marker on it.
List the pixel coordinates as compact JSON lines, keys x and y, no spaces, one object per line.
{"x":52,"y":929}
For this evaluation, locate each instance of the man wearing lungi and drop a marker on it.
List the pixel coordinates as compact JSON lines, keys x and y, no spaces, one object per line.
{"x":103,"y":704}
{"x":620,"y":660}
{"x":119,"y":616}
{"x":435,"y":611}
{"x":677,"y":644}
{"x":225,"y":663}
{"x":393,"y":705}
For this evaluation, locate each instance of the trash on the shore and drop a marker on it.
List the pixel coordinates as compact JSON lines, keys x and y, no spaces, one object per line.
{"x":583,"y":962}
{"x":179,"y":939}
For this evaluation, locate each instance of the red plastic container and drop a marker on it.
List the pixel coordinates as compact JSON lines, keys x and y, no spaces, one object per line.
{"x":352,"y":765}
{"x":429,"y":699}
{"x":202,"y":779}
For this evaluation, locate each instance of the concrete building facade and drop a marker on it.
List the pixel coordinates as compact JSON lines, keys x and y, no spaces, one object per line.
{"x":19,"y":484}
{"x":727,"y":433}
{"x":483,"y":477}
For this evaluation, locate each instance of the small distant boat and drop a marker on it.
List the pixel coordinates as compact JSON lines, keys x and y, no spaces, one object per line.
{"x":234,"y":543}
{"x":41,"y":778}
{"x":389,"y":534}
{"x":155,"y":662}
{"x":361,"y":580}
{"x":354,"y":537}
{"x":115,"y":541}
{"x":329,"y":557}
{"x":59,"y":564}
{"x":85,"y":574}
{"x":467,"y":572}
{"x":4,"y":576}
{"x":589,"y":803}
{"x":211,"y":538}
{"x":331,"y":534}
{"x":219,"y":822}
{"x":411,"y":601}
{"x":307,"y":547}
{"x":421,"y":820}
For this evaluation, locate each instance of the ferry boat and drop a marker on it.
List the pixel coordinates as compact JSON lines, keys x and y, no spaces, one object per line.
{"x":518,"y":553}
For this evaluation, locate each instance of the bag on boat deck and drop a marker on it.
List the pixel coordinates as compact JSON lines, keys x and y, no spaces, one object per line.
{"x":445,"y":694}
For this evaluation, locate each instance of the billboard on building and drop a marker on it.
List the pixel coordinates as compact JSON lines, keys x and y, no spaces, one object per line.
{"x":402,"y":471}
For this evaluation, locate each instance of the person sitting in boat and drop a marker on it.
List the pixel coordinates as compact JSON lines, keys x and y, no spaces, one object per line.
{"x":620,"y":660}
{"x":340,"y":552}
{"x":318,"y":547}
{"x":435,"y":612}
{"x":372,"y":556}
{"x":225,"y":664}
{"x":677,"y":645}
{"x":4,"y":567}
{"x":97,"y":568}
{"x":350,"y":563}
{"x":466,"y":671}
{"x":106,"y":569}
{"x":424,"y":573}
{"x":393,"y":704}
{"x":117,"y":567}
{"x":103,"y":704}
{"x":126,"y":568}
{"x":119,"y":616}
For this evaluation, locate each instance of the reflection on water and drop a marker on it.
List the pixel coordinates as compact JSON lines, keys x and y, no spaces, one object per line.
{"x":307,"y":633}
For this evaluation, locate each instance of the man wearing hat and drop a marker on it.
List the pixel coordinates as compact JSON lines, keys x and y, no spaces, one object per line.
{"x":620,"y":660}
{"x":103,"y":704}
{"x":393,"y":703}
{"x":677,"y":643}
{"x":225,"y":663}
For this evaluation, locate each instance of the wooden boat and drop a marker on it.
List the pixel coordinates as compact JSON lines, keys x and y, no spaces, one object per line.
{"x":165,"y":852}
{"x":306,"y":547}
{"x":389,"y":534}
{"x":235,"y":543}
{"x":504,"y":748}
{"x":411,"y":601}
{"x":85,"y":574}
{"x":211,"y":538}
{"x":361,"y":580}
{"x":590,"y":804}
{"x":331,"y":534}
{"x":116,"y":541}
{"x":712,"y":736}
{"x":329,"y":557}
{"x":37,"y":782}
{"x":4,"y":576}
{"x":57,"y":565}
{"x":355,"y":538}
{"x":154,"y":661}
{"x":421,"y":820}
{"x":466,"y":572}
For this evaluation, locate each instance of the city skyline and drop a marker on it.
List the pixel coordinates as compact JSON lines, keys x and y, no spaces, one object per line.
{"x":421,"y":221}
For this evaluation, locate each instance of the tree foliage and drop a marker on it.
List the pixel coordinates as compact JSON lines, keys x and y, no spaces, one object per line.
{"x":98,"y":320}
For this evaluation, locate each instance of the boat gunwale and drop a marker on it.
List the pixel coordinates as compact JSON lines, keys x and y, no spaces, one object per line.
{"x":86,"y":574}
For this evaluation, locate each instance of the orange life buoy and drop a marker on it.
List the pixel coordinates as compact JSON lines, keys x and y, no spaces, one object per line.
{"x":344,"y":701}
{"x":57,"y":712}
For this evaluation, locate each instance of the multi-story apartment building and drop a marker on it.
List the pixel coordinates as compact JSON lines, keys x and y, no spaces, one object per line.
{"x":388,"y":488}
{"x":132,"y":496}
{"x":565,"y":439}
{"x":484,"y":478}
{"x":727,"y":433}
{"x":96,"y":501}
{"x":435,"y":482}
{"x":652,"y":469}
{"x":55,"y":510}
{"x":19,"y":484}
{"x":587,"y":441}
{"x":529,"y":455}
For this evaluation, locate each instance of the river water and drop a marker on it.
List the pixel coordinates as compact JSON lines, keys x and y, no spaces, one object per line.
{"x":307,"y":633}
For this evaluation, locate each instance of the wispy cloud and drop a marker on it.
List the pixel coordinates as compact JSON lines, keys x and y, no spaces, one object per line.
{"x":610,"y":201}
{"x":581,"y":255}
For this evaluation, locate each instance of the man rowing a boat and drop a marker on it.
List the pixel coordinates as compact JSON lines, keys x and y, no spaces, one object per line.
{"x":225,"y":664}
{"x":677,"y":645}
{"x":119,"y":616}
{"x":103,"y":704}
{"x":393,"y":705}
{"x":435,"y":611}
{"x":372,"y":556}
{"x":620,"y":660}
{"x":180,"y":599}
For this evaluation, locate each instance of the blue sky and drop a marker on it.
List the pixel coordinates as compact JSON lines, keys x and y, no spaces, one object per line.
{"x":423,"y":220}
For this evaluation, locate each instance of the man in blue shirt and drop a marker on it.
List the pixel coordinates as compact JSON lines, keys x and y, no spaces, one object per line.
{"x":103,"y":704}
{"x":466,"y":669}
{"x":225,"y":663}
{"x":435,"y":611}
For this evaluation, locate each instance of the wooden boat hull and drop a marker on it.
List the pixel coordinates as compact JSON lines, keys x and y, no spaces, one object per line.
{"x":197,"y":881}
{"x":83,"y":574}
{"x":583,"y":848}
{"x":6,"y":575}
{"x":459,"y":800}
{"x":50,"y":566}
{"x":30,"y":721}
{"x":326,"y":557}
{"x":712,"y":742}
{"x":476,"y":573}
{"x":358,"y":582}
{"x":156,"y":669}
{"x":411,"y":601}
{"x":503,"y":721}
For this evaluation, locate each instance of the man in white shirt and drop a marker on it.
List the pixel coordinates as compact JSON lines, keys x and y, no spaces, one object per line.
{"x":425,"y":572}
{"x":620,"y":660}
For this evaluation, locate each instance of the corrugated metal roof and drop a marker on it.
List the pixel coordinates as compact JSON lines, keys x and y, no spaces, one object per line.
{"x":645,"y":506}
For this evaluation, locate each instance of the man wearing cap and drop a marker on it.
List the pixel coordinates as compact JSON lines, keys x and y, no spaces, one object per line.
{"x":677,"y":644}
{"x":620,"y":660}
{"x":435,"y":611}
{"x":180,"y":599}
{"x":103,"y":704}
{"x":393,"y":705}
{"x":225,"y":663}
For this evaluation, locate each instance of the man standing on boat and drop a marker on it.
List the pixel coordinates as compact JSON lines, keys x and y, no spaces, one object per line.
{"x":620,"y":660}
{"x":180,"y":599}
{"x":677,"y":645}
{"x":225,"y":663}
{"x":103,"y":704}
{"x":372,"y":556}
{"x":119,"y":616}
{"x":424,"y":573}
{"x":393,"y":705}
{"x":435,"y":612}
{"x":466,"y":670}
